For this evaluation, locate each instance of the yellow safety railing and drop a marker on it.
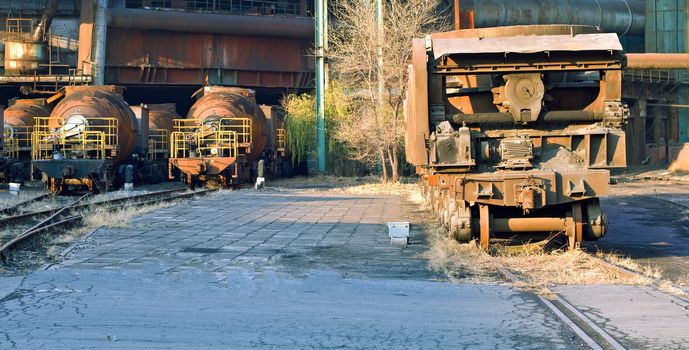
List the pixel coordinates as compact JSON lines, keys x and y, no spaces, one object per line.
{"x":97,"y":140}
{"x":17,"y":140}
{"x":221,"y":138}
{"x":158,"y":144}
{"x":281,"y":140}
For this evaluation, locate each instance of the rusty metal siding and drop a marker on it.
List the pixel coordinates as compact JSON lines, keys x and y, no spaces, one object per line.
{"x":159,"y":57}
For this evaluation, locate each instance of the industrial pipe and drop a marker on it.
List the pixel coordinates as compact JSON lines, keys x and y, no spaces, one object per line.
{"x":2,"y":129}
{"x":46,"y":20}
{"x":143,"y":130}
{"x":211,"y":23}
{"x":624,"y":17}
{"x":657,"y":60}
{"x":507,"y":118}
{"x":522,"y":225}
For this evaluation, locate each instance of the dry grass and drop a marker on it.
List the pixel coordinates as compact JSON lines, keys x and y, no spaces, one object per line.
{"x":121,"y":217}
{"x":389,"y":188}
{"x":681,"y":164}
{"x":537,"y":268}
{"x":542,"y":268}
{"x":629,"y":264}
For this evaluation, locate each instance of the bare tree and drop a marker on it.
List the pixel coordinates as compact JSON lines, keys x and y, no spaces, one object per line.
{"x":375,"y":131}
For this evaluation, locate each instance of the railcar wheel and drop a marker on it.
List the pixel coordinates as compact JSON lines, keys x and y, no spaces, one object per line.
{"x":576,"y":229}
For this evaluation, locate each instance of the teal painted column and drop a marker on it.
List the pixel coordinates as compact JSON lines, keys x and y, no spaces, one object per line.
{"x":321,"y":13}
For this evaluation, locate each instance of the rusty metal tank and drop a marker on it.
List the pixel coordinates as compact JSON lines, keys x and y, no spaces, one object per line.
{"x":82,"y":104}
{"x":231,"y":102}
{"x":21,"y":112}
{"x":25,"y":57}
{"x":160,"y":116}
{"x":19,"y":117}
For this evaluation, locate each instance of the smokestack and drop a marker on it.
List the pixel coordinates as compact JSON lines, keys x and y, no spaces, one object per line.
{"x":46,"y":19}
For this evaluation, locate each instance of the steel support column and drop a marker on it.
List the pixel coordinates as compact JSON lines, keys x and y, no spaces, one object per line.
{"x":321,"y":12}
{"x":99,"y":37}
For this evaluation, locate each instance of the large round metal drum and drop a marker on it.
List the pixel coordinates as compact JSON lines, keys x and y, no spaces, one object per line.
{"x":230,"y":102}
{"x":19,"y":118}
{"x":22,"y":111}
{"x":83,"y":105}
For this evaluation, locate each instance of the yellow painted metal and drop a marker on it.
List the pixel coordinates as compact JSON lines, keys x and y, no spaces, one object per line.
{"x":17,"y":139}
{"x":281,"y":140}
{"x":158,"y":144}
{"x":220,"y":138}
{"x":98,"y":139}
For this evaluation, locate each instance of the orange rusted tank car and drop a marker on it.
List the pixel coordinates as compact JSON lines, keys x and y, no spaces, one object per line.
{"x":18,"y":126}
{"x":93,"y":139}
{"x":223,"y":138}
{"x":513,"y":130}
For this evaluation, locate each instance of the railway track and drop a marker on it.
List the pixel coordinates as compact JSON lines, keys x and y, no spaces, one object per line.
{"x":72,"y":213}
{"x":587,"y":330}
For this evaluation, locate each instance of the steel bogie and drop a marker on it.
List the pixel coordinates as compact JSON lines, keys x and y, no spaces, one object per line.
{"x":514,"y":133}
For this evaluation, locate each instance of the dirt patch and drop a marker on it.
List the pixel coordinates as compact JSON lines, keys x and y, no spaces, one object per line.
{"x":561,"y":159}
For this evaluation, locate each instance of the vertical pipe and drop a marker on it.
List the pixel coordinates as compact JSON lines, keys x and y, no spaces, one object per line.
{"x":326,"y":71}
{"x":143,"y":131}
{"x":320,"y":84}
{"x":99,"y":36}
{"x":457,"y":15}
{"x":2,"y":130}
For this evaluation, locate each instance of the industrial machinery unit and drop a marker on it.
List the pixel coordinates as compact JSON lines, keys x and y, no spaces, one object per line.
{"x":92,"y":138}
{"x":513,"y":130}
{"x":223,"y":138}
{"x":160,"y":124}
{"x":18,"y":126}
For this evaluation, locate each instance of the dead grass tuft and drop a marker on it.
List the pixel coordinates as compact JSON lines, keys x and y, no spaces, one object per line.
{"x":458,"y":262}
{"x":389,"y":188}
{"x":542,"y":268}
{"x":537,"y":267}
{"x":681,"y":164}
{"x":121,"y":217}
{"x":629,"y":264}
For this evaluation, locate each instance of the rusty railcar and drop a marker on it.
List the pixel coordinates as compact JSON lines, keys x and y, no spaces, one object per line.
{"x":93,"y":139}
{"x":17,"y":128}
{"x":221,"y":139}
{"x":513,"y":130}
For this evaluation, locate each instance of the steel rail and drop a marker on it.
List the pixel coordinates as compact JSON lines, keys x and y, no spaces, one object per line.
{"x":569,"y":321}
{"x":27,"y":216}
{"x":46,"y":224}
{"x":15,"y":208}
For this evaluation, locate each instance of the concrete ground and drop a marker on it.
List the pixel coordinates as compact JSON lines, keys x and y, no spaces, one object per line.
{"x":269,"y":270}
{"x":291,"y":270}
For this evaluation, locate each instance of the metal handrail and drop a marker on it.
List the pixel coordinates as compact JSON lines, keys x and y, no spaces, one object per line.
{"x":98,"y":137}
{"x":197,"y":144}
{"x":158,"y":144}
{"x":266,"y":7}
{"x":17,"y":139}
{"x":281,"y":140}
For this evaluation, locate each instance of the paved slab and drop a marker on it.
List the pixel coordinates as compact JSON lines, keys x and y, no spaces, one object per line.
{"x":637,"y":317}
{"x":266,"y":270}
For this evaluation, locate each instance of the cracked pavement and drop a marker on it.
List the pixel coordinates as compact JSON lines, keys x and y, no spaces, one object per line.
{"x":277,"y":270}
